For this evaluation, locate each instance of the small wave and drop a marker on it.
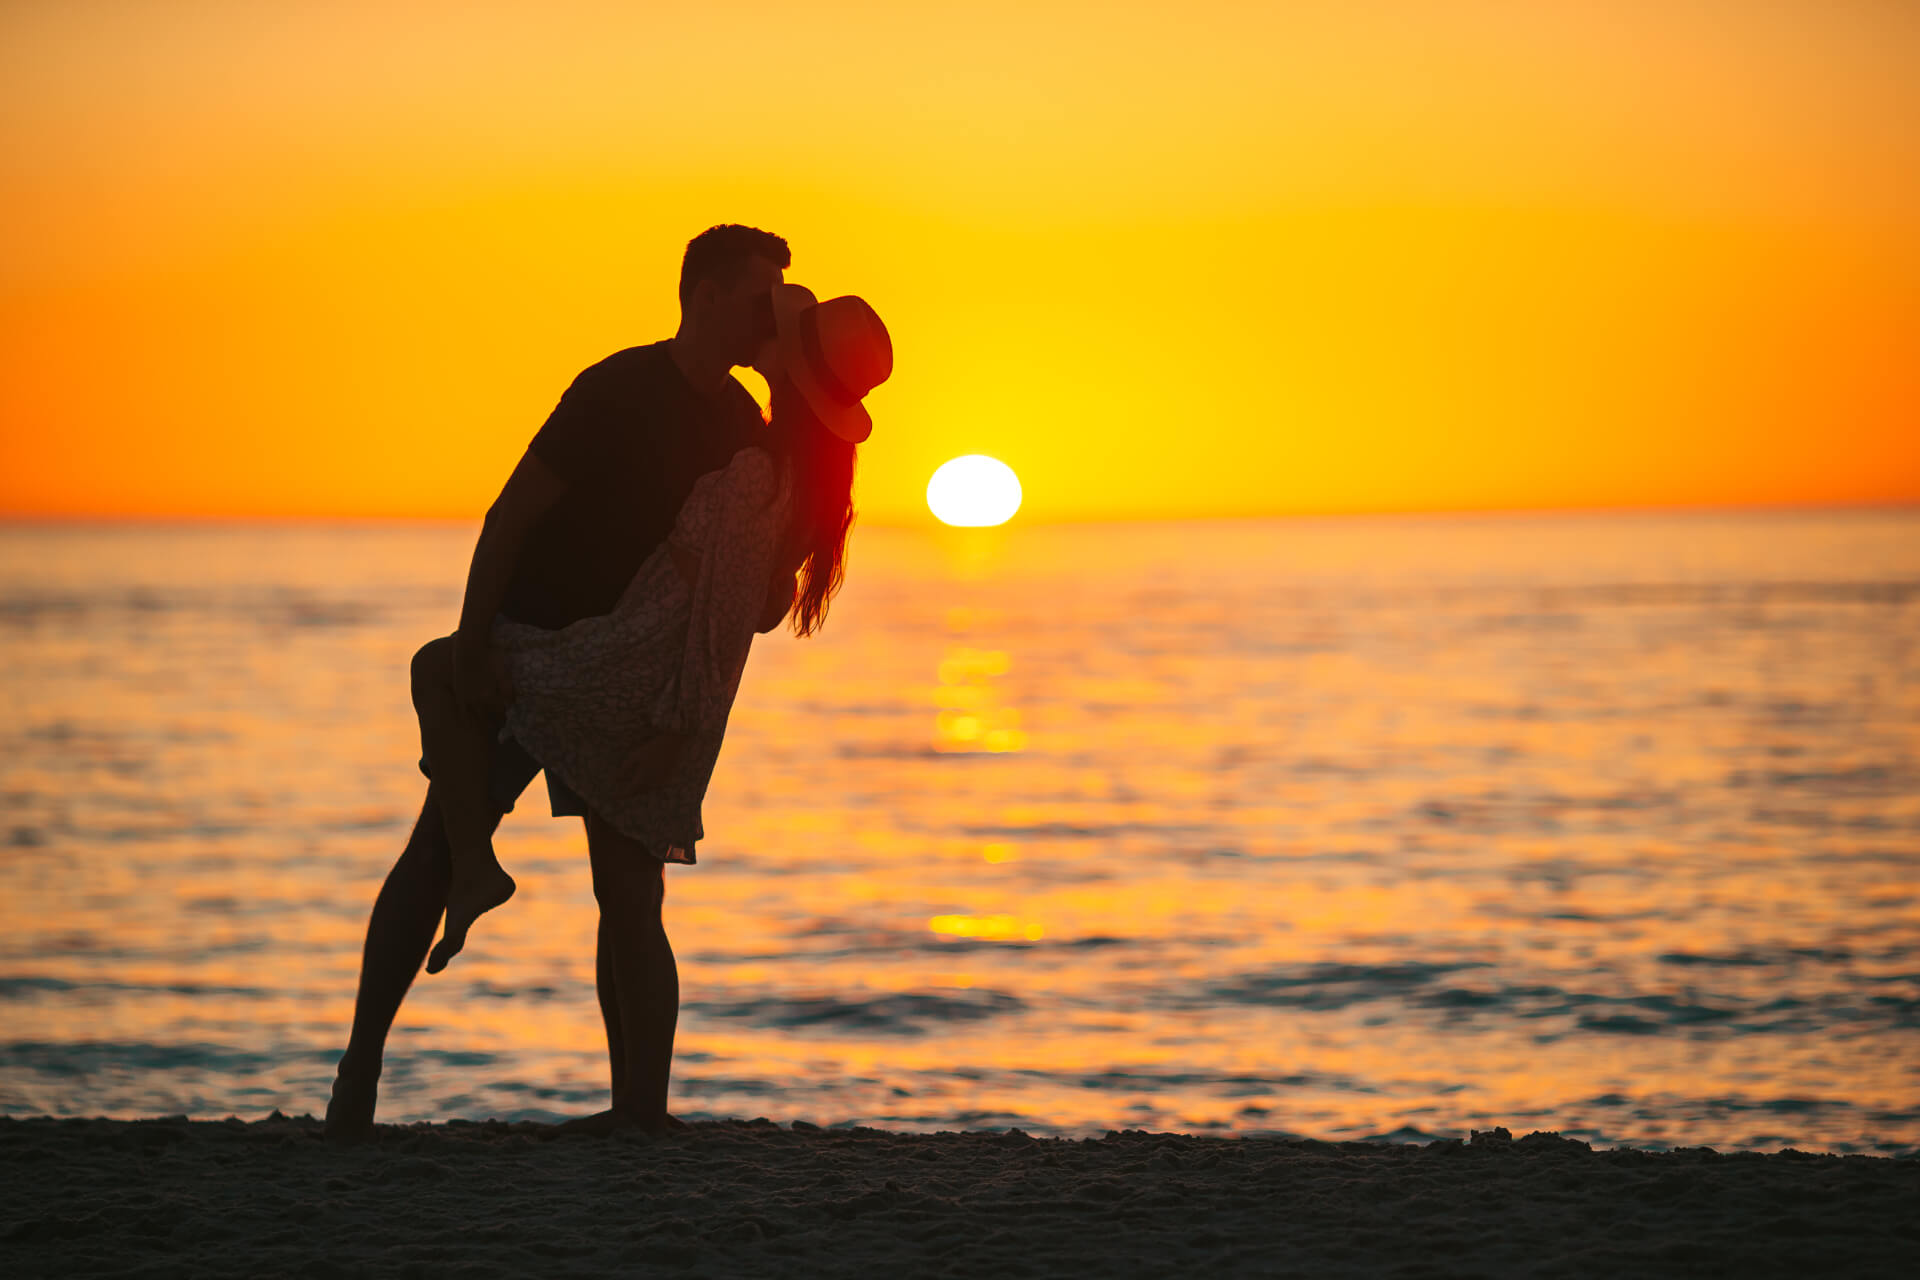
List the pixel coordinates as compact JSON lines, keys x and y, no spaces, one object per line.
{"x":1756,"y":959}
{"x":691,"y":1085}
{"x":1327,"y":988}
{"x":303,"y":611}
{"x":448,"y":1057}
{"x":1322,"y":987}
{"x":27,"y":986}
{"x":1865,"y":780}
{"x":908,"y":1013}
{"x":896,"y":943}
{"x":827,"y":711}
{"x":366,"y":820}
{"x":1532,"y":812}
{"x":1082,"y":831}
{"x":550,"y":1093}
{"x":1228,"y":1084}
{"x":1691,"y":594}
{"x":1661,"y":1106}
{"x":909,"y":751}
{"x":88,"y":1057}
{"x":484,"y":990}
{"x":1707,"y":1015}
{"x":277,"y":607}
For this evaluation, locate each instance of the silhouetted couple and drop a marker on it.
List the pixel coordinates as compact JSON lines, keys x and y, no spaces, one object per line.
{"x":654,"y":526}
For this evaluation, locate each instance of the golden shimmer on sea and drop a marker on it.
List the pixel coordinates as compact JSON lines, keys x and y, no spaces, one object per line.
{"x":1382,"y":828}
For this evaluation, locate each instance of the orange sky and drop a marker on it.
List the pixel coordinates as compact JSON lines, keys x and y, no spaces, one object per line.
{"x":1212,"y":258}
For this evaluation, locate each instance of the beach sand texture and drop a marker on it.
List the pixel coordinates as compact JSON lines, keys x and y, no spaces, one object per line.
{"x":732,"y":1198}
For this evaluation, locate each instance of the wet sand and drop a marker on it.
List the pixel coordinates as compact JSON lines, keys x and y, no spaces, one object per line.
{"x":750,"y":1198}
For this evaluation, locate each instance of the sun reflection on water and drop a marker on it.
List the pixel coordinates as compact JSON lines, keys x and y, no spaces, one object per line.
{"x":999,"y":928}
{"x":972,"y":716}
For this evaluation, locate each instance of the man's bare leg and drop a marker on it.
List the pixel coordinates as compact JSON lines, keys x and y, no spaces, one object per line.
{"x":457,"y":749}
{"x":606,"y":986}
{"x":639,"y":983}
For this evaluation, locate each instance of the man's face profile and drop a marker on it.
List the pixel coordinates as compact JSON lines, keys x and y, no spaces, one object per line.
{"x":744,"y":310}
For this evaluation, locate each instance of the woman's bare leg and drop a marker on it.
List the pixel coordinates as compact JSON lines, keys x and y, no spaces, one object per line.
{"x":640,"y":982}
{"x":457,"y":747}
{"x":398,"y":934}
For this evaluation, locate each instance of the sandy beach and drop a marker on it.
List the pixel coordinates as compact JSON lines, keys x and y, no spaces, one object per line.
{"x":752,"y":1198}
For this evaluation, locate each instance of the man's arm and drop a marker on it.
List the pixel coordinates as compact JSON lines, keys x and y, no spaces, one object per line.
{"x":529,"y":492}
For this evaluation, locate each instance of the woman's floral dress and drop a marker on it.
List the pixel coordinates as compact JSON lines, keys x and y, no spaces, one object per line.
{"x":667,"y":659}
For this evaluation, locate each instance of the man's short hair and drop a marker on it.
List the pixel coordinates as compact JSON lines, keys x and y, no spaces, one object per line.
{"x":721,"y":253}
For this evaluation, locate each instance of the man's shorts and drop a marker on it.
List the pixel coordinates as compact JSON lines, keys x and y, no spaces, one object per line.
{"x":510,"y":769}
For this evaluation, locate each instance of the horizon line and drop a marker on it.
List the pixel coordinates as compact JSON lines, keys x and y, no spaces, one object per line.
{"x":930,"y":523}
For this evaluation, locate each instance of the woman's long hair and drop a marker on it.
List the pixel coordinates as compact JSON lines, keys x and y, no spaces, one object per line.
{"x":822,"y":468}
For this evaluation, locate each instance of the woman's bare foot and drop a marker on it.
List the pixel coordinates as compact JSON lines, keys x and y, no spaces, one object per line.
{"x":467,"y":902}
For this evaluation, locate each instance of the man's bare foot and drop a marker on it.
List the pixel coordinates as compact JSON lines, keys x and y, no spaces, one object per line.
{"x":466,"y":903}
{"x":602,"y":1123}
{"x":350,"y":1109}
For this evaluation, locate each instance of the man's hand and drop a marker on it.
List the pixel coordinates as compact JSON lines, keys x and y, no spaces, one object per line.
{"x":480,"y":679}
{"x":653,"y":761}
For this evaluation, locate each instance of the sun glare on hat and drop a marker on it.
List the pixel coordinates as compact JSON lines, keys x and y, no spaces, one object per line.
{"x":974,"y":489}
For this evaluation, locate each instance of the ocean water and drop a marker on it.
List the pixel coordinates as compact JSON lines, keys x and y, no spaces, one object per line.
{"x":1360,"y":828}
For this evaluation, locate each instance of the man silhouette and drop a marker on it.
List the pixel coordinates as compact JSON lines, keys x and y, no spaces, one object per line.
{"x":596,"y":491}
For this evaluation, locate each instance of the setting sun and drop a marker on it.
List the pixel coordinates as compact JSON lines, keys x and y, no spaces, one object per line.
{"x":974,"y":489}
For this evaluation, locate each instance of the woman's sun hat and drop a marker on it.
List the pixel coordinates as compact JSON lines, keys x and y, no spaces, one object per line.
{"x":836,"y":352}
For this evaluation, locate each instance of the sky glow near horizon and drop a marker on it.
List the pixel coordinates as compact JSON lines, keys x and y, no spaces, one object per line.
{"x":318,"y":260}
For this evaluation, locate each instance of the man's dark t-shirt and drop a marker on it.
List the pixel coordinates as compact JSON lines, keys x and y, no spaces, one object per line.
{"x":629,"y":437}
